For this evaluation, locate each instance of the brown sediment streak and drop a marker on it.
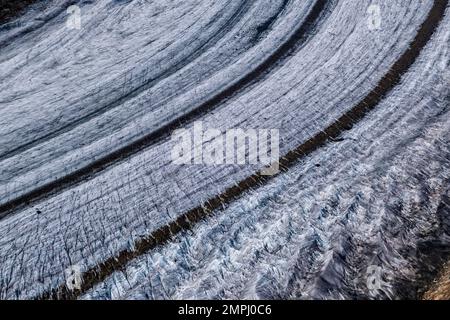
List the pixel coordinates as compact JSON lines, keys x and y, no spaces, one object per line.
{"x":91,"y":170}
{"x":189,"y":219}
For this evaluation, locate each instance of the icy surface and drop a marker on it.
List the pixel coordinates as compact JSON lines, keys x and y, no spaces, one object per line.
{"x":368,"y":202}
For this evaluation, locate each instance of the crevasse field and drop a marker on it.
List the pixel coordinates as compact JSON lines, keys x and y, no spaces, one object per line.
{"x":92,"y":205}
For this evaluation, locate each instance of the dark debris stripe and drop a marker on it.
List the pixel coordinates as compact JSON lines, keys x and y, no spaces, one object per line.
{"x":283,"y":53}
{"x":189,"y":219}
